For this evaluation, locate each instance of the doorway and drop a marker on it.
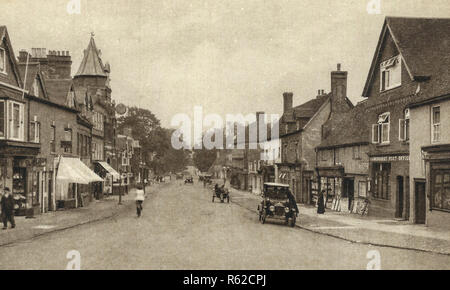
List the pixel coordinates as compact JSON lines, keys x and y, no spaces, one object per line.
{"x":400,"y":197}
{"x":420,"y":206}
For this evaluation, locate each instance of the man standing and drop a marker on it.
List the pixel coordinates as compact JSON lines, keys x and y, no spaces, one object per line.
{"x":7,"y":202}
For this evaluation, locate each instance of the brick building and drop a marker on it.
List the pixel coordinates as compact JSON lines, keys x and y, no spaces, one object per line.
{"x":17,"y":150}
{"x":301,"y":129}
{"x":343,"y":161}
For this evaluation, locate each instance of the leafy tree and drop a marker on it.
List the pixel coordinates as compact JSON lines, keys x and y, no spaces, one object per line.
{"x":154,"y":139}
{"x":204,"y":158}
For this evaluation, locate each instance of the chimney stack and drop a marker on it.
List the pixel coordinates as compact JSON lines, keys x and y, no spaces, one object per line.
{"x":258,"y":122}
{"x":287,"y":101}
{"x":338,"y":89}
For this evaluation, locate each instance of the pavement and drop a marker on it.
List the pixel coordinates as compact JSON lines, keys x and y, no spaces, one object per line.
{"x":181,"y":228}
{"x":54,"y":221}
{"x":362,"y":229}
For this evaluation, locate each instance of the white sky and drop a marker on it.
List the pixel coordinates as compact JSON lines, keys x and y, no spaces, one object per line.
{"x":227,"y":56}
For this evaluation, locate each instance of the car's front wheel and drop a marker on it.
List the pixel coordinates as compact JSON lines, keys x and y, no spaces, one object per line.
{"x":292,"y":221}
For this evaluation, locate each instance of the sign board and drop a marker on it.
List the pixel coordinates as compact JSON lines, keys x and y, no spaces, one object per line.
{"x":392,"y":158}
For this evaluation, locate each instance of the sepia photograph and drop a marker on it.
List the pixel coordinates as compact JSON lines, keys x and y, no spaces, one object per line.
{"x":225,"y":138}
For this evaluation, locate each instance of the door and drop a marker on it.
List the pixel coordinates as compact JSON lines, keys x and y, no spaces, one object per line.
{"x":420,"y":207}
{"x":400,"y":197}
{"x":350,"y":192}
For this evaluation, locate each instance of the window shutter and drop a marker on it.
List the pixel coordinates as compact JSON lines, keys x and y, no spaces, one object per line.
{"x":401,"y":130}
{"x":375,"y":134}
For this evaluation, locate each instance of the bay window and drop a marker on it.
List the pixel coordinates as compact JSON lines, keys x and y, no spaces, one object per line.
{"x":16,"y":121}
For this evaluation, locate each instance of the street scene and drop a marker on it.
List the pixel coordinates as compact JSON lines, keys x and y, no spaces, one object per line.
{"x":181,"y":228}
{"x":225,"y":135}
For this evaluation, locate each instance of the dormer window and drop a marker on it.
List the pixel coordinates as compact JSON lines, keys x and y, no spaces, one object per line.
{"x":391,"y":73}
{"x":2,"y":61}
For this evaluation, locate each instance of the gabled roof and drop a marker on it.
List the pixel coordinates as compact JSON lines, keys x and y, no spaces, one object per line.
{"x":91,"y":65}
{"x":4,"y":35}
{"x":58,"y":89}
{"x":424,"y":44}
{"x":348,"y":128}
{"x":33,"y":72}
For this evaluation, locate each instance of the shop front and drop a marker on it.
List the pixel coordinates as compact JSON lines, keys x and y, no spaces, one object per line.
{"x":73,"y":183}
{"x":345,"y":192}
{"x":17,"y":167}
{"x":432,"y":200}
{"x":109,"y":175}
{"x":389,"y":185}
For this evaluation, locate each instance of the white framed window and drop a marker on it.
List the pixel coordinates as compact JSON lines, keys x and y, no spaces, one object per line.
{"x":403,"y":127}
{"x":381,"y":130}
{"x":2,"y":61}
{"x":391,"y":73}
{"x":2,"y":119}
{"x":436,"y":124}
{"x":356,"y":152}
{"x":16,"y":121}
{"x":35,"y":131}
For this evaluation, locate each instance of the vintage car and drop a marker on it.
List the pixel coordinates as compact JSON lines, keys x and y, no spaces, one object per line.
{"x":221,"y":192}
{"x":278,"y":203}
{"x":188,"y":180}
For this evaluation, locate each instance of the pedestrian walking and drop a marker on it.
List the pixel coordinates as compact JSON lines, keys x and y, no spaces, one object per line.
{"x":7,"y":202}
{"x":321,"y":203}
{"x":140,"y":197}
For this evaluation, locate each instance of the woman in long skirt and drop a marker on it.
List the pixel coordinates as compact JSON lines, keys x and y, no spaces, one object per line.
{"x":321,"y":203}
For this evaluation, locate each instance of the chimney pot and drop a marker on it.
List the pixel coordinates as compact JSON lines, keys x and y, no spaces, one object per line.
{"x":338,"y":66}
{"x":287,"y":101}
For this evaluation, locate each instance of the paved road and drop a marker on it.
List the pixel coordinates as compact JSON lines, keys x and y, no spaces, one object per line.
{"x":181,"y":229}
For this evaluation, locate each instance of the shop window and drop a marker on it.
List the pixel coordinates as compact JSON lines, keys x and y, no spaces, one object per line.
{"x":381,"y":130}
{"x":2,"y":119}
{"x":362,"y":189}
{"x":391,"y":73}
{"x":2,"y":61}
{"x":440,"y":190}
{"x":436,"y":124}
{"x":403,"y":127}
{"x":381,"y":181}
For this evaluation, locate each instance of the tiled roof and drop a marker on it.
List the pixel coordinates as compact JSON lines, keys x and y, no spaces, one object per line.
{"x":348,"y":128}
{"x":32,"y":71}
{"x":91,"y":65}
{"x":425,"y":46}
{"x":57,"y":90}
{"x":306,"y":110}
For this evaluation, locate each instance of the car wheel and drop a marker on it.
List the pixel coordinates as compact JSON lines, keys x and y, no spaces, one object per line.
{"x":292,"y":222}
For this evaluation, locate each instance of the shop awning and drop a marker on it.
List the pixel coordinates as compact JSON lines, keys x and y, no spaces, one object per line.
{"x":72,"y":170}
{"x":108,"y":168}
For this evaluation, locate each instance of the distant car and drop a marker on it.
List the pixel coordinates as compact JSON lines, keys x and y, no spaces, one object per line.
{"x":189,"y":180}
{"x":278,"y":203}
